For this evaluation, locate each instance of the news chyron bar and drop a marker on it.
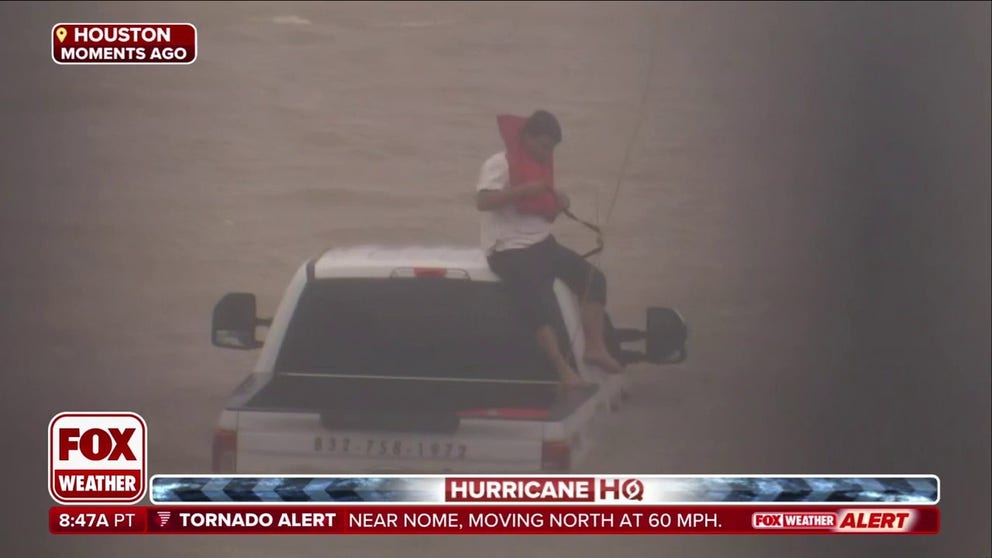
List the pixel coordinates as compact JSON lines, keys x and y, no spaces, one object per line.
{"x":98,"y":476}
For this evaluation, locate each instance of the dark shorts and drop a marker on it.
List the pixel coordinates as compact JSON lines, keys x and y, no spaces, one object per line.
{"x":530,"y":273}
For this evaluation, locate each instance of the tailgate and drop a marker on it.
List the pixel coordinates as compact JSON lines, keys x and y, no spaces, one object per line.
{"x":404,"y":427}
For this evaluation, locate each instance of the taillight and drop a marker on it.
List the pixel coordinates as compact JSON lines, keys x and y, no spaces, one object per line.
{"x":506,"y":413}
{"x":429,"y":272}
{"x":225,"y":451}
{"x":556,"y":456}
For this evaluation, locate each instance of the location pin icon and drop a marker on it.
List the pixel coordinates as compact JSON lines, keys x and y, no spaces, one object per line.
{"x":61,"y":33}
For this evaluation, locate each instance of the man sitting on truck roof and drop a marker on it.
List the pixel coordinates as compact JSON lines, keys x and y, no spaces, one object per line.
{"x":519,"y":203}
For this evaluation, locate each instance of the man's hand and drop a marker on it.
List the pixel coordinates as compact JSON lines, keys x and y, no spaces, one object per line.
{"x":530,"y":189}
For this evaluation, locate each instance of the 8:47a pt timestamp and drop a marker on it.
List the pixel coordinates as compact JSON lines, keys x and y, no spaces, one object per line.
{"x":96,"y":520}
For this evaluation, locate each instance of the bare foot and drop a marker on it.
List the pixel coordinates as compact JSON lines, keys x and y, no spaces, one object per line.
{"x":603,"y":360}
{"x":569,"y":378}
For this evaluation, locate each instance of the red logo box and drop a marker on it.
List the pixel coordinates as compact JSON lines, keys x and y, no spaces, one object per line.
{"x":97,"y":458}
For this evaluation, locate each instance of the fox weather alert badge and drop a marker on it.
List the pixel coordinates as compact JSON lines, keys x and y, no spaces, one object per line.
{"x":97,"y":458}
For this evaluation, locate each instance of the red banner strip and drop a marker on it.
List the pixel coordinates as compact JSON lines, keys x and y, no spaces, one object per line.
{"x":492,"y":520}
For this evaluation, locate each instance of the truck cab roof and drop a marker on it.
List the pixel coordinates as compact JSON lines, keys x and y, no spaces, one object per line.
{"x":388,"y":261}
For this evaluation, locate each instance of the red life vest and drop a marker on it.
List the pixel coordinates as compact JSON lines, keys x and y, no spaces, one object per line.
{"x":523,"y":169}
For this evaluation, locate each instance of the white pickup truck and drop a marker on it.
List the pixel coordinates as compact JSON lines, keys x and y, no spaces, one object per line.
{"x":406,"y":360}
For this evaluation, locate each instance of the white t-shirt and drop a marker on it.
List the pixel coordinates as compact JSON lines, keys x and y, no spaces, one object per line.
{"x":506,"y":228}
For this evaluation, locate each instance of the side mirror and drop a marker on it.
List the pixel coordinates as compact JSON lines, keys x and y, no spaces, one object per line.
{"x":665,"y":336}
{"x":234,"y":322}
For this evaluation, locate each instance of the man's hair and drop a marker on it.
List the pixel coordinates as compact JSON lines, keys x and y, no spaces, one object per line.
{"x":543,"y":123}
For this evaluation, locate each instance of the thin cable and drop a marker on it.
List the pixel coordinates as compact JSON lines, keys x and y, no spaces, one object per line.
{"x":600,"y":228}
{"x":637,"y":126}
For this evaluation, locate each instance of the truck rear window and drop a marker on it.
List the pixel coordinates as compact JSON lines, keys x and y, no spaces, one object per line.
{"x":423,"y":327}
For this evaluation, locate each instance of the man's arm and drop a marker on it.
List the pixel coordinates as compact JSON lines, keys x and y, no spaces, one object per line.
{"x":494,"y":191}
{"x":488,"y":200}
